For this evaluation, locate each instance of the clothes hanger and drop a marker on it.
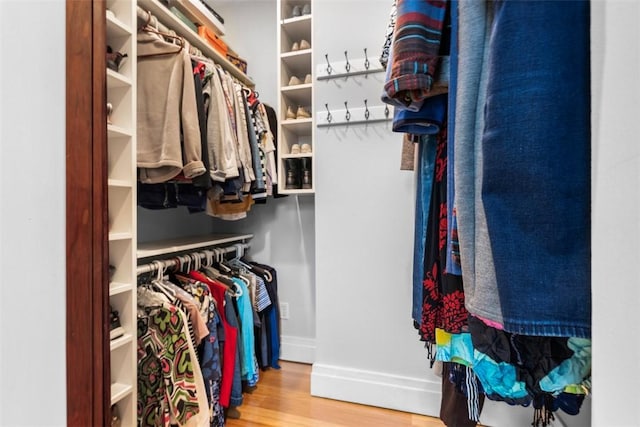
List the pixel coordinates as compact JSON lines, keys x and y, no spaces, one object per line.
{"x":197,"y":264}
{"x":220,"y":261}
{"x":157,"y":283}
{"x":175,"y":38}
{"x":208,"y":258}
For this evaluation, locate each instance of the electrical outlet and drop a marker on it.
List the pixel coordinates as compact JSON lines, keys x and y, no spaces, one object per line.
{"x":284,"y":310}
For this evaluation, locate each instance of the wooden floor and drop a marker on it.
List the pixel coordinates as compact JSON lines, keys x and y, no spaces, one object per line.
{"x":282,"y":399}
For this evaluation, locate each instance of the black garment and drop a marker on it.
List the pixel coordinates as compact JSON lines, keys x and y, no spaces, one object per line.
{"x":273,"y":125}
{"x":204,"y":180}
{"x":272,"y":334}
{"x":171,"y":195}
{"x":533,"y":357}
{"x":453,"y":407}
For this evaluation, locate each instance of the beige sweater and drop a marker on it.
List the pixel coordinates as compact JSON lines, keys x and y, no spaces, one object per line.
{"x":166,"y":101}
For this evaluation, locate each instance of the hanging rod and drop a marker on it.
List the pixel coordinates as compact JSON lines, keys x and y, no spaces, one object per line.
{"x":186,"y":258}
{"x":167,"y":22}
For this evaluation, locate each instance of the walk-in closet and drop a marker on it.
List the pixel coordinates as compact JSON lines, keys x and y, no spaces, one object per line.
{"x":189,"y":285}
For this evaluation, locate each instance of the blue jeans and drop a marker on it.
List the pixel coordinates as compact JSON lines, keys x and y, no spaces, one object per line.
{"x":523,"y":173}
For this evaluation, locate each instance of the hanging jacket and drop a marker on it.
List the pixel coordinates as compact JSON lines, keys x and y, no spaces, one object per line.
{"x":166,"y":103}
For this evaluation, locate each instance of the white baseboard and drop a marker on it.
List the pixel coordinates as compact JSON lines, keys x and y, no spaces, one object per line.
{"x":376,"y":389}
{"x":297,"y":349}
{"x":408,"y":394}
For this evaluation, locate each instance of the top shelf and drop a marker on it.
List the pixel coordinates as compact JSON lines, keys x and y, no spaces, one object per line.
{"x":167,"y":18}
{"x":151,"y":249}
{"x":198,"y":13}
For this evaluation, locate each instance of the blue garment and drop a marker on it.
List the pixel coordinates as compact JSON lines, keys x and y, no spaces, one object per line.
{"x":245,"y":311}
{"x":426,"y":121}
{"x":529,"y":186}
{"x":272,"y":315}
{"x":210,"y":363}
{"x":424,"y":185}
{"x":536,"y":170}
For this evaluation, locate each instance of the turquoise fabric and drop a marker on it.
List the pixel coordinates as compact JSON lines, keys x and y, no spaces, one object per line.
{"x":573,"y":370}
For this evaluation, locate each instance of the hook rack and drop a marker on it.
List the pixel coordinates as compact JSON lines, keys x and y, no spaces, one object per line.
{"x":353,"y":67}
{"x":354,"y":116}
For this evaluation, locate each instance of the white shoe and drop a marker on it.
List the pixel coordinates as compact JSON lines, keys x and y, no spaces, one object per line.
{"x":302,"y":113}
{"x":290,"y":114}
{"x":293,"y":81}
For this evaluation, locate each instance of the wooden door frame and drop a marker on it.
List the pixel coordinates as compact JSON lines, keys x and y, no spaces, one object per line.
{"x":87,"y":254}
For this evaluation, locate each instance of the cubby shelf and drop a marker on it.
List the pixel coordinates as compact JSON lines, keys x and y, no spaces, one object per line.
{"x":295,"y":63}
{"x":119,"y":391}
{"x":120,"y":341}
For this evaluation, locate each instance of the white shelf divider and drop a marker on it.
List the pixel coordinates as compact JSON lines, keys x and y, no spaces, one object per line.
{"x":120,"y":341}
{"x":119,"y":391}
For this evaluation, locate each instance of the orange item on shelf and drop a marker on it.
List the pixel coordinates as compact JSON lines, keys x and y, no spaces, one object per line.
{"x":213,"y":39}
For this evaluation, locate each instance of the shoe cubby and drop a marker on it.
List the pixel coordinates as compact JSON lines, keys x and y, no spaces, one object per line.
{"x":119,"y":163}
{"x":121,"y":24}
{"x":295,"y":101}
{"x":120,"y":100}
{"x":120,"y":208}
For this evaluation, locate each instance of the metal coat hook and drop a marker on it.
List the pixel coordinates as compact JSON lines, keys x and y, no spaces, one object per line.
{"x":329,"y":67}
{"x":366,"y":60}
{"x":366,"y":110}
{"x":386,"y":111}
{"x":329,"y":117}
{"x":348,"y":114}
{"x":347,"y":65}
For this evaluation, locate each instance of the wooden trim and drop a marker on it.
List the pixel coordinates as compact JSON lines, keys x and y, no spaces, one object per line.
{"x":102,"y":385}
{"x":86,"y":203}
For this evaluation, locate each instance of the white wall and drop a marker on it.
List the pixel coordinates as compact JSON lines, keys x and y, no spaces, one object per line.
{"x":367,"y":348}
{"x":32,"y":213}
{"x":616,"y":212}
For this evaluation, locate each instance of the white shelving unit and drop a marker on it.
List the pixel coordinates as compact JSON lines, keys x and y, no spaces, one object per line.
{"x":124,"y":250}
{"x":298,"y":63}
{"x":121,"y":93}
